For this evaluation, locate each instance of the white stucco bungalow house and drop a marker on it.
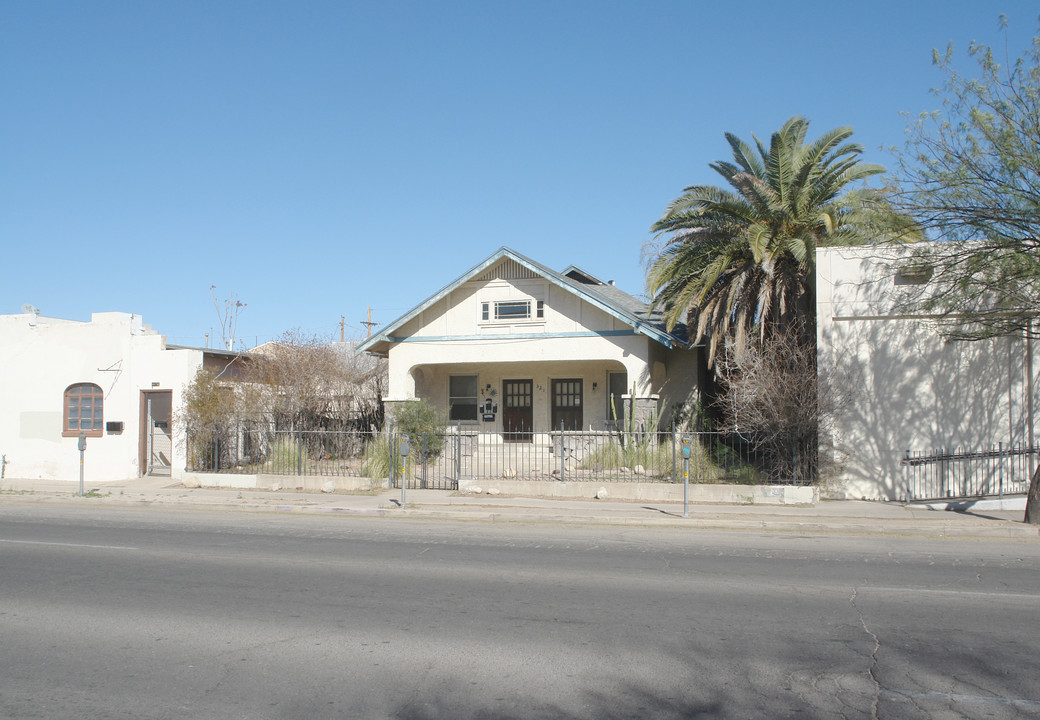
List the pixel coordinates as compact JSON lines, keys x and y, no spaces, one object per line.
{"x":513,"y":348}
{"x":112,"y":379}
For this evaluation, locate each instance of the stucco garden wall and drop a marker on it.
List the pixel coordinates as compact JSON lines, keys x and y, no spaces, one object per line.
{"x":899,"y":385}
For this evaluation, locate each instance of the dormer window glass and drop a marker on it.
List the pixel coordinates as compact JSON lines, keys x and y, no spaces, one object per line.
{"x":511,"y":311}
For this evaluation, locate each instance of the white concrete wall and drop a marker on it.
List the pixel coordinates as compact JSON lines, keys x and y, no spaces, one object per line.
{"x":900,"y":385}
{"x":42,"y":357}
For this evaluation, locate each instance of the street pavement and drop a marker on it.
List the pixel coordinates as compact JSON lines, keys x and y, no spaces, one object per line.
{"x":986,"y":519}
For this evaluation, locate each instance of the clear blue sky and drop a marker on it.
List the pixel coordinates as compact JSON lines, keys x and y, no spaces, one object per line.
{"x":318,"y":158}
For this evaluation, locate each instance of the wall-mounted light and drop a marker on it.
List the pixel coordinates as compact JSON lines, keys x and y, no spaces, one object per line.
{"x":594,"y":385}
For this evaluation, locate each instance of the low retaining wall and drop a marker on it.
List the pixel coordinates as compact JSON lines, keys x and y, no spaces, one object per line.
{"x":644,"y":492}
{"x":653,"y":492}
{"x":311,"y":483}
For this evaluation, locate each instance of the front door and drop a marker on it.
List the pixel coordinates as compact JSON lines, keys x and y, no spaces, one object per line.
{"x":156,"y":434}
{"x":518,"y":413}
{"x":566,"y":404}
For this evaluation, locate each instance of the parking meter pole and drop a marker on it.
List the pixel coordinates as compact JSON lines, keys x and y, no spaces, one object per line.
{"x":686,"y":475}
{"x":404,"y":449}
{"x":82,"y":447}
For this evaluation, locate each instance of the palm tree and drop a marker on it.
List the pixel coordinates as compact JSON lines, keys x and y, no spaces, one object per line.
{"x":740,"y":262}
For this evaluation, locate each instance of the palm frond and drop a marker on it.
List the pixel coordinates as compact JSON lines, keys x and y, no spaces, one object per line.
{"x":738,"y":262}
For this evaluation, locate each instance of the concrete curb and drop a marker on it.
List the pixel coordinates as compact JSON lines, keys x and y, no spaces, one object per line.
{"x":702,"y":517}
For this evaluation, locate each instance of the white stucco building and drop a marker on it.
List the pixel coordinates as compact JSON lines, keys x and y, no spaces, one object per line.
{"x":113,"y":379}
{"x":899,"y":384}
{"x":513,"y":347}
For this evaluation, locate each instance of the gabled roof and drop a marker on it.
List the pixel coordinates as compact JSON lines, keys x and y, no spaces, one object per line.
{"x":609,"y":299}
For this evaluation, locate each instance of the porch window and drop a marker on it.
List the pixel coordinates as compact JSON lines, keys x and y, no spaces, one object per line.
{"x":83,"y":410}
{"x":462,"y":397}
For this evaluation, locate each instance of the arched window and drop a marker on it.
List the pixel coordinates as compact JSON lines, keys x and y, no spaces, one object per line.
{"x":84,"y":410}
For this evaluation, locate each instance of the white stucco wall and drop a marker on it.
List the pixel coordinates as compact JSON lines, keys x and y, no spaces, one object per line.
{"x":42,"y":357}
{"x":900,"y":385}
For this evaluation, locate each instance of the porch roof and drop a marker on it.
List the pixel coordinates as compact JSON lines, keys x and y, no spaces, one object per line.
{"x":608,"y":298}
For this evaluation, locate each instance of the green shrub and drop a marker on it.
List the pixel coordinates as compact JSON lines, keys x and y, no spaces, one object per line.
{"x":419,"y":419}
{"x":377,"y":458}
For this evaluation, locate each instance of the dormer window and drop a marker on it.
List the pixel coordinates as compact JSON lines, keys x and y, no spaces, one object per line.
{"x":509,"y":310}
{"x":513,"y":310}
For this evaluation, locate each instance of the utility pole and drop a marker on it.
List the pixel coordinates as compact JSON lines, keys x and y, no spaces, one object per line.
{"x":342,"y":322}
{"x":369,"y":322}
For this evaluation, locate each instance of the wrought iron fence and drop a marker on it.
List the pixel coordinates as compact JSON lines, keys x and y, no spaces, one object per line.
{"x":602,"y":456}
{"x":443,"y":457}
{"x":252,"y":447}
{"x":951,"y":474}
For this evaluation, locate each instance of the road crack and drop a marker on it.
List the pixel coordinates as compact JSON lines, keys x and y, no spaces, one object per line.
{"x":872,"y":670}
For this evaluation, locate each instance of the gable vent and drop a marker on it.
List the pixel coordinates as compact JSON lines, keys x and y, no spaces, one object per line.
{"x":507,"y":270}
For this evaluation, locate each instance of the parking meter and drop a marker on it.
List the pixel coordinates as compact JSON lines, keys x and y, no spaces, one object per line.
{"x":686,"y":447}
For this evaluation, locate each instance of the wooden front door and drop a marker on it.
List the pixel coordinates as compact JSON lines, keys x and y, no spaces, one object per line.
{"x":518,"y":411}
{"x":566,"y":404}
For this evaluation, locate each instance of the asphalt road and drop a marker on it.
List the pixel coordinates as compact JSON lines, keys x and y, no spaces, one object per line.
{"x":158,"y":613}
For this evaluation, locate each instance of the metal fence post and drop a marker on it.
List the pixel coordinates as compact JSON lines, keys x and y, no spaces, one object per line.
{"x":422,"y":458}
{"x":1000,"y":469}
{"x":299,"y":449}
{"x":795,"y":459}
{"x":562,"y":450}
{"x":675,"y":477}
{"x":906,"y":497}
{"x":391,"y":459}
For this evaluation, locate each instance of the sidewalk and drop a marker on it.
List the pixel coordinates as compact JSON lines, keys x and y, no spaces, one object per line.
{"x":827,"y":517}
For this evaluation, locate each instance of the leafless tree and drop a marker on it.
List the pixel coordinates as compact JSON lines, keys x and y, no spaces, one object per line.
{"x":227,"y":316}
{"x":307,"y":378}
{"x":771,"y":397}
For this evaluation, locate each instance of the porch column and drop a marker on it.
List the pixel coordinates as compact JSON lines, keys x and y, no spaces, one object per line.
{"x":641,"y":403}
{"x":401,"y":381}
